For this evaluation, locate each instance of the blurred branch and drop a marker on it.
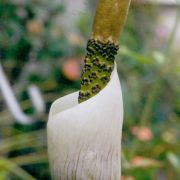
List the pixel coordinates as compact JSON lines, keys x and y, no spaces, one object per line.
{"x":33,"y":158}
{"x":5,"y":116}
{"x":12,"y":103}
{"x":173,"y":32}
{"x":15,"y":169}
{"x":146,"y":113}
{"x":21,"y":140}
{"x":142,"y":59}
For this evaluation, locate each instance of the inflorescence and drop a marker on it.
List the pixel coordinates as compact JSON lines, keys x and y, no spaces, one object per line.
{"x":99,"y":63}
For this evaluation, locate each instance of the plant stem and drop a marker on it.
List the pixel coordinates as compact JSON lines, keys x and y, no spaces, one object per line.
{"x":109,"y":20}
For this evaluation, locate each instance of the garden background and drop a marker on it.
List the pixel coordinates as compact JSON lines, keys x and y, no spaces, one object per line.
{"x":42,"y":45}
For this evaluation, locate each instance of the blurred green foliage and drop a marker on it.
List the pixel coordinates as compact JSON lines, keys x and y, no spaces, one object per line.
{"x":35,"y":48}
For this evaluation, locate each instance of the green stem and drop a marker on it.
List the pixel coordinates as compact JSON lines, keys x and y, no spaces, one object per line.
{"x":109,"y":20}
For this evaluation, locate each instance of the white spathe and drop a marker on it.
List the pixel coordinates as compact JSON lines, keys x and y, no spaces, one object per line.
{"x":84,"y":140}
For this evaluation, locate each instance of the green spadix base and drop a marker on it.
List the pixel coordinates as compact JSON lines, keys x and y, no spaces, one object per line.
{"x":99,"y":63}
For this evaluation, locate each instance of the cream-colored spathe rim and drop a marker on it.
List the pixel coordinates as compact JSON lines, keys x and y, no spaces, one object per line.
{"x":74,"y":99}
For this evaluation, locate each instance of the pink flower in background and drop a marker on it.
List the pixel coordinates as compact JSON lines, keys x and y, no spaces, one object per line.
{"x":160,"y":32}
{"x":140,"y":161}
{"x":71,"y":69}
{"x":142,"y":133}
{"x":76,"y":40}
{"x":137,"y":161}
{"x":34,"y":26}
